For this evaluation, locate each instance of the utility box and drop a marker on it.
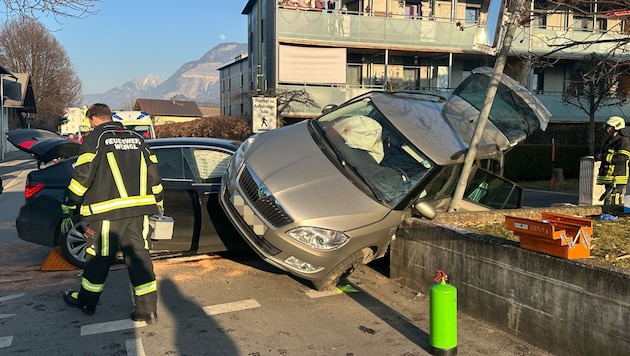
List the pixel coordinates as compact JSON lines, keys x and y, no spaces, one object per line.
{"x":589,"y":192}
{"x":554,"y":234}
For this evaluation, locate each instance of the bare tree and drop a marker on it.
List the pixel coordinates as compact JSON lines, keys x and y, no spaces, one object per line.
{"x":58,"y":8}
{"x":26,"y":46}
{"x":594,"y":82}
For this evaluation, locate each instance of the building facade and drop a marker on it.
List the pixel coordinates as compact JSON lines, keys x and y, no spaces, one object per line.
{"x":410,"y":45}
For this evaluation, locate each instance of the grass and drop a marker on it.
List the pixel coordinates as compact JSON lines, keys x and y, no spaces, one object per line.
{"x":610,"y":243}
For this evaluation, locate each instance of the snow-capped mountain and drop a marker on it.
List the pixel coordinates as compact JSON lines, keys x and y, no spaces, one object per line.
{"x":195,"y":80}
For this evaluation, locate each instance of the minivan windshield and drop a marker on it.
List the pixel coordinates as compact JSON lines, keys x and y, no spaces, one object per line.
{"x":369,"y":146}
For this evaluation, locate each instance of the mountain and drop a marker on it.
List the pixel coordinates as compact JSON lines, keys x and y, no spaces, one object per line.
{"x":195,"y":80}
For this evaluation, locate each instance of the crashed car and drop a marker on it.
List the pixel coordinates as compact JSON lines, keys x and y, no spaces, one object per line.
{"x":191,"y":170}
{"x":321,"y":196}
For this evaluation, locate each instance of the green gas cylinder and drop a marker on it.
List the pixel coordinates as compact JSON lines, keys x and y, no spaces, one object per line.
{"x":443,"y":317}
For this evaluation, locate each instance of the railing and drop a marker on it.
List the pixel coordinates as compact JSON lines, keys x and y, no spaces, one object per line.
{"x":552,"y":101}
{"x":436,"y":34}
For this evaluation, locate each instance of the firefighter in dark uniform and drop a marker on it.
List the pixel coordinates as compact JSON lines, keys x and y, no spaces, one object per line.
{"x":115,"y":186}
{"x":614,"y":157}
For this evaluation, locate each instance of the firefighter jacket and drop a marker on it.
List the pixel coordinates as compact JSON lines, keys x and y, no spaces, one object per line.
{"x":115,"y":175}
{"x":615,"y":155}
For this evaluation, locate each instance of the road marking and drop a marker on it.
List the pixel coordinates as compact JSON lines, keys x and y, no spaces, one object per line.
{"x":231,"y":307}
{"x":2,"y":316}
{"x":110,"y":326}
{"x":6,"y":341}
{"x":12,"y":296}
{"x":134,"y":347}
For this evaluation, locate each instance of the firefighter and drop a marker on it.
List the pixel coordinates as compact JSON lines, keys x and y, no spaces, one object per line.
{"x":614,"y":157}
{"x":115,"y":186}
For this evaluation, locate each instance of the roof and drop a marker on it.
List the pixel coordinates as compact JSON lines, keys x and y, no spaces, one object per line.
{"x":158,"y":107}
{"x":18,"y":90}
{"x":210,"y":111}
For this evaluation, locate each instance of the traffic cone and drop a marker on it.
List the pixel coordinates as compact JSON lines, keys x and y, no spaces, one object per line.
{"x":55,"y":262}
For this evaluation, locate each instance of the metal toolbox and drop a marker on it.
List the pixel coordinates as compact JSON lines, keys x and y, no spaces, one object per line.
{"x":161,"y":227}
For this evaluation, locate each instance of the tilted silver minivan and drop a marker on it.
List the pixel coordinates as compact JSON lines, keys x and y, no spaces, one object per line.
{"x":319,"y":197}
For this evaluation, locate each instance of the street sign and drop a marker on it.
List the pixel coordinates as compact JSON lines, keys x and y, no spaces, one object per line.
{"x":489,"y":30}
{"x":263,"y":114}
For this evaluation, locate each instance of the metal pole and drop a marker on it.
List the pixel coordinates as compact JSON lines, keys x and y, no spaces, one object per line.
{"x":460,"y":189}
{"x":2,"y":128}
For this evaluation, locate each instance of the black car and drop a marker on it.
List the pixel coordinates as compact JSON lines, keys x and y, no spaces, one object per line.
{"x":191,"y":170}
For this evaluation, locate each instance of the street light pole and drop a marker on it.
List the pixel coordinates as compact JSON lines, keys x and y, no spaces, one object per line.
{"x":469,"y":159}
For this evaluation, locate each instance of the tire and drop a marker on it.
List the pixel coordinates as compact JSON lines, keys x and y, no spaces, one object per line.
{"x":73,"y":243}
{"x":342,"y":270}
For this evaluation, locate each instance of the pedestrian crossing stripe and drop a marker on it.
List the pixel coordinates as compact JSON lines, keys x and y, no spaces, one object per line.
{"x":231,"y":307}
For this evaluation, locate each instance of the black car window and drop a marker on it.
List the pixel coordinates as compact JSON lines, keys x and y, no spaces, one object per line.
{"x":170,"y":162}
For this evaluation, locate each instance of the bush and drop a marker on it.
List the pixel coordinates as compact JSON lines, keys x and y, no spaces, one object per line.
{"x":219,"y":127}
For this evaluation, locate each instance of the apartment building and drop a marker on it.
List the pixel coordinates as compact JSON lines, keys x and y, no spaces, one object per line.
{"x":410,"y":45}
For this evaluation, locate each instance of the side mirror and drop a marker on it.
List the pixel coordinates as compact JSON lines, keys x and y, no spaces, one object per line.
{"x":424,"y":210}
{"x":328,"y":108}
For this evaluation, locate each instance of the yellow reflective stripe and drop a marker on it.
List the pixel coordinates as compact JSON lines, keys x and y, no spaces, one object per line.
{"x":153,"y":158}
{"x":113,"y":166}
{"x":118,"y":203}
{"x":145,"y":231}
{"x":91,"y":287}
{"x":143,"y":176}
{"x":105,"y":238}
{"x":146,"y":288}
{"x":76,"y":187}
{"x":87,"y":157}
{"x":157,"y":189}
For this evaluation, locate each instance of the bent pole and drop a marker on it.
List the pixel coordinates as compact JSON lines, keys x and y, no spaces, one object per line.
{"x":469,"y":159}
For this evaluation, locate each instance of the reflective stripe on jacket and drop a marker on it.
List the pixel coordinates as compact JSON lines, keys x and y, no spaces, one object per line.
{"x":115,"y":175}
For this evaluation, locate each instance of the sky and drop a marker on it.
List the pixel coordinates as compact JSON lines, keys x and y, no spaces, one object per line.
{"x":129,"y":39}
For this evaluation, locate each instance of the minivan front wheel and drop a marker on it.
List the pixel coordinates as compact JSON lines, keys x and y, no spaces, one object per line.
{"x":73,"y":243}
{"x":342,"y":270}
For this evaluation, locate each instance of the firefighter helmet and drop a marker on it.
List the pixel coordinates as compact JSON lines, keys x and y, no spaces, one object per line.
{"x":616,"y":122}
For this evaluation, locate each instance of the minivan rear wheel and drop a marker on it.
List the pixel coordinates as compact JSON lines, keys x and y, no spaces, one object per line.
{"x":73,"y":243}
{"x":342,"y":270}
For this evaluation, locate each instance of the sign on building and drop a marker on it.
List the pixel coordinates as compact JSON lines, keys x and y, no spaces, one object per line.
{"x":264,"y":114}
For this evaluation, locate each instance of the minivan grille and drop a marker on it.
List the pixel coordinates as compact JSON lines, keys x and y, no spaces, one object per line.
{"x":267,"y":207}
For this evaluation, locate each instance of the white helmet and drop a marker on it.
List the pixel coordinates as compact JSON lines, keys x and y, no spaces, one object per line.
{"x":617,"y":122}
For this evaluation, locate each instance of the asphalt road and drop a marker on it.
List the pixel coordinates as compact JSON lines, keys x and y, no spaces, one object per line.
{"x":216,"y":305}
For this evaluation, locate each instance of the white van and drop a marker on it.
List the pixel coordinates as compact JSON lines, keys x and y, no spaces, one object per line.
{"x":139,"y":121}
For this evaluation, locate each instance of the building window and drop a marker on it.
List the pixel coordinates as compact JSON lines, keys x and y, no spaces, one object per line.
{"x":472,"y":15}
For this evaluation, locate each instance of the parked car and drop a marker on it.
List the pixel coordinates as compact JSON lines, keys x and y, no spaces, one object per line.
{"x":191,"y":170}
{"x":321,"y":196}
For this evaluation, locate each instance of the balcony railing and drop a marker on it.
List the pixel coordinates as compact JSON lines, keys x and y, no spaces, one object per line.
{"x":360,"y":30}
{"x":552,"y":101}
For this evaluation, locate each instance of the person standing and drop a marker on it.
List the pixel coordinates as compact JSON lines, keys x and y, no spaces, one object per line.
{"x":614,"y":157}
{"x":320,"y":5}
{"x":116,"y":186}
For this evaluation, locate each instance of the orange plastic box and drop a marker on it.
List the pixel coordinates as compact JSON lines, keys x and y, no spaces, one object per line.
{"x":558,"y":235}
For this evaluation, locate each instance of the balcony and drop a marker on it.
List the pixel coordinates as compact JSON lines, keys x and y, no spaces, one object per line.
{"x":417,"y":34}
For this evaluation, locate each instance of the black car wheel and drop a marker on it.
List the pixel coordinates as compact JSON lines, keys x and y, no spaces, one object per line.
{"x":73,"y":244}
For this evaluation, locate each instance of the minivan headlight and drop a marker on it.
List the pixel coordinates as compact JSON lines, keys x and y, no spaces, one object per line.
{"x":318,"y":238}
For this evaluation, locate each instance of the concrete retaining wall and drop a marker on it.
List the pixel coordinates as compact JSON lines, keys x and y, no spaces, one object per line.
{"x":568,"y":307}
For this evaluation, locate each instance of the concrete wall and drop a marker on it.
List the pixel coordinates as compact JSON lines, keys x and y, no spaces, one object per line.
{"x":568,"y":307}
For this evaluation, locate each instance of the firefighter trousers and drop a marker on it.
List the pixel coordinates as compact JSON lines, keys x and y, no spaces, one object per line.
{"x":104,"y":239}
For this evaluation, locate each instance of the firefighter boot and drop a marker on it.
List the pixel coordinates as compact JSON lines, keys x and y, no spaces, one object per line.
{"x":146,"y":308}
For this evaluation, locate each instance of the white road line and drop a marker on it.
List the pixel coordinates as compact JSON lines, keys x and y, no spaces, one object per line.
{"x":5,"y":341}
{"x":231,"y":307}
{"x":110,"y":326}
{"x":3,"y":316}
{"x":327,"y":293}
{"x":11,"y":296}
{"x":134,"y":347}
